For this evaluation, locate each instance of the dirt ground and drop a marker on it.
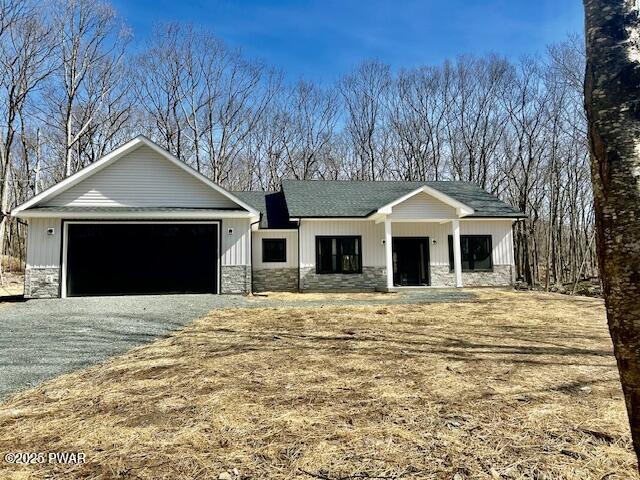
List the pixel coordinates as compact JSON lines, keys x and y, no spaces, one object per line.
{"x":508,"y":385}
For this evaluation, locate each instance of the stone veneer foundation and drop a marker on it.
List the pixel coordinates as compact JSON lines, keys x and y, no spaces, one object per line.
{"x":235,"y":279}
{"x":275,"y":280}
{"x":42,"y":282}
{"x":371,"y":278}
{"x":501,"y":275}
{"x":45,"y":282}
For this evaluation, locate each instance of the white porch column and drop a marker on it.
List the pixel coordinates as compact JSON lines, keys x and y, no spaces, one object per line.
{"x":388,"y":252}
{"x":457,"y":254}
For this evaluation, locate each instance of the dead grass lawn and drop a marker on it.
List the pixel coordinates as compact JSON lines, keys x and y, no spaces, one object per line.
{"x":511,"y":385}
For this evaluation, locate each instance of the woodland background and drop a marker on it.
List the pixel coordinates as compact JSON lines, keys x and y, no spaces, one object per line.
{"x":74,"y":85}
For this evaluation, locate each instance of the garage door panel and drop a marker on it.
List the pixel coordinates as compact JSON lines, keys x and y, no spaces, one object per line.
{"x":120,"y":259}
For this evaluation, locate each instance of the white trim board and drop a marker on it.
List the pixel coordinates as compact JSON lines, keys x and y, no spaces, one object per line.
{"x":148,"y":214}
{"x":112,"y":157}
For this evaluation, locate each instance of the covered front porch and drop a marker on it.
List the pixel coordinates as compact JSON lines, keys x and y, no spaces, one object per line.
{"x":409,"y":249}
{"x":417,"y":254}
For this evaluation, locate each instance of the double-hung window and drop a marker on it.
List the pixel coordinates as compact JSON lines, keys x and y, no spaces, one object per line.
{"x":476,"y":253}
{"x":339,"y":254}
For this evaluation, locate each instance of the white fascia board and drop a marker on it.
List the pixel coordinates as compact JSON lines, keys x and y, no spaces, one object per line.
{"x":276,"y":230}
{"x":422,"y":220}
{"x":378,"y":217}
{"x":115,"y":155}
{"x":490,"y":219}
{"x":332,"y":219}
{"x":211,"y":214}
{"x":462,"y":210}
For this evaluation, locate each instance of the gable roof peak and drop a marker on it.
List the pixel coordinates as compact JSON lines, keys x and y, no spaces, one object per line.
{"x":113,"y":157}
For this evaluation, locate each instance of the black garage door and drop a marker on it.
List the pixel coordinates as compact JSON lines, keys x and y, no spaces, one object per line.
{"x":141,"y":258}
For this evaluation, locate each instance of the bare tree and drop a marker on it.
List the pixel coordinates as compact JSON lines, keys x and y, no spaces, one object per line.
{"x":25,"y":48}
{"x":476,"y":121}
{"x":612,"y":97}
{"x":311,"y":121}
{"x":90,"y":50}
{"x":364,"y":93}
{"x":418,"y":114}
{"x":158,"y":85}
{"x":203,"y":100}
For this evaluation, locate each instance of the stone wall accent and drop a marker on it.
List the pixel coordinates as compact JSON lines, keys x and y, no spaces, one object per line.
{"x":41,"y":282}
{"x":371,"y":278}
{"x":441,"y":277}
{"x":275,"y":280}
{"x":235,"y":279}
{"x":499,"y":277}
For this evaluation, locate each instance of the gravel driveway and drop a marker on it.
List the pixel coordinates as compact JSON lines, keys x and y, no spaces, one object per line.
{"x":44,"y":338}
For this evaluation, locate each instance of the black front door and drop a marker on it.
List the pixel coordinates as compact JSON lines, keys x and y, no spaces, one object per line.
{"x":411,"y":261}
{"x":141,"y":258}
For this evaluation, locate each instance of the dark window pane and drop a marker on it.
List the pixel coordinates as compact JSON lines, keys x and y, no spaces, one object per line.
{"x":451,"y":265}
{"x":349,"y":249}
{"x":274,"y":250}
{"x":338,"y":255}
{"x":475,"y":251}
{"x":481,"y":253}
{"x":465,"y":246}
{"x":324,"y":259}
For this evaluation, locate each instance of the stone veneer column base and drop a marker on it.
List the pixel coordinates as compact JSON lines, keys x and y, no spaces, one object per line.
{"x":275,"y":280}
{"x":371,"y":278}
{"x":41,"y":282}
{"x":235,"y":279}
{"x":502,"y":275}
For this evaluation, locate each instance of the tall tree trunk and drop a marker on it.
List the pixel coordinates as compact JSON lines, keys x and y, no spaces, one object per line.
{"x":68,"y":155}
{"x":612,"y":101}
{"x":4,"y":213}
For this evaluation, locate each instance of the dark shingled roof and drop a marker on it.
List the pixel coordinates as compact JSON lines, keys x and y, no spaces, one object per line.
{"x":347,"y":198}
{"x":271,"y":205}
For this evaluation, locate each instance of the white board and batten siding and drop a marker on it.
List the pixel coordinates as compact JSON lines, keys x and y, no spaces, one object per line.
{"x":373,"y":235}
{"x":235,"y":249}
{"x":43,"y":250}
{"x":141,"y":178}
{"x":291,"y":238}
{"x":501,"y":232}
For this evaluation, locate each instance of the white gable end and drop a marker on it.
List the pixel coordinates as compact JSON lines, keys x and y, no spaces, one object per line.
{"x":141,"y":178}
{"x":422,"y":206}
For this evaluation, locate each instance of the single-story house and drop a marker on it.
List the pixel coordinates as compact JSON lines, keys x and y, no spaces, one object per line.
{"x":140,"y":221}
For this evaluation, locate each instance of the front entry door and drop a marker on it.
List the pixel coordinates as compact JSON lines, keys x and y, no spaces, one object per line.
{"x":411,"y":261}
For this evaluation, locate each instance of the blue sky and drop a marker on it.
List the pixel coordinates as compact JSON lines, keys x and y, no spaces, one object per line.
{"x":324,"y":38}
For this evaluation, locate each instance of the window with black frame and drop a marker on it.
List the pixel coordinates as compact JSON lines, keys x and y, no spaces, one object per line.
{"x":274,"y":250}
{"x":338,"y":254}
{"x":476,"y":253}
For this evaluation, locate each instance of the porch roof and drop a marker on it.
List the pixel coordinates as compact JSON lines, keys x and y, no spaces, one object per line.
{"x":348,"y":198}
